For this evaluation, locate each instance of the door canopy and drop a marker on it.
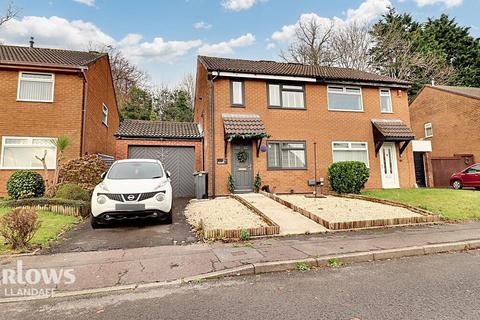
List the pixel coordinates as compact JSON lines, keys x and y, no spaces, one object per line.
{"x":391,"y":130}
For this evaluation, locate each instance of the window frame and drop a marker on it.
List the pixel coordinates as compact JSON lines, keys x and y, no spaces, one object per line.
{"x":52,"y":81}
{"x":428,"y":125}
{"x":281,"y":85}
{"x":105,"y":114}
{"x":389,"y":98}
{"x":31,"y":139}
{"x":305,"y":167}
{"x":345,"y":92}
{"x":349,"y":149}
{"x":237,"y":105}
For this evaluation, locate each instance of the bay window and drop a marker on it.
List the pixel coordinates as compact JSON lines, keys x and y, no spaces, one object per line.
{"x":350,"y":151}
{"x":35,"y":87}
{"x":344,"y":98}
{"x":286,"y":96}
{"x":21,"y":152}
{"x":286,"y":155}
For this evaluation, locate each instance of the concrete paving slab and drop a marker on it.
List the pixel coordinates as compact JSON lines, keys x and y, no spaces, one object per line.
{"x":290,"y":222}
{"x":237,"y":254}
{"x":281,"y":253}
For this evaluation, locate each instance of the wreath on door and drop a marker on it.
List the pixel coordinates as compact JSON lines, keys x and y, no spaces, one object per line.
{"x":242,"y":156}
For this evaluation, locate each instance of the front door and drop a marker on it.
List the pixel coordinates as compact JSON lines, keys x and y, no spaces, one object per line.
{"x":242,"y":166}
{"x":388,"y":165}
{"x":419,"y":169}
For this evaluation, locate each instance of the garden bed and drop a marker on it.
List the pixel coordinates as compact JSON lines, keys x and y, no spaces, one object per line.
{"x":226,"y":218}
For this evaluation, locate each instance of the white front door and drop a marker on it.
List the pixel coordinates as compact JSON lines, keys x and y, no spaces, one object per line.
{"x":388,"y":166}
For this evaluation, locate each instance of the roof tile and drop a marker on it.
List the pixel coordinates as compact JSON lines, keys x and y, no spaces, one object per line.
{"x":159,"y":129}
{"x":243,"y":125}
{"x":393,"y":129}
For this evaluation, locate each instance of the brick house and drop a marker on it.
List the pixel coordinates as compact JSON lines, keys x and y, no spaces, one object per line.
{"x":47,"y":93}
{"x":447,"y":117}
{"x":267,"y":117}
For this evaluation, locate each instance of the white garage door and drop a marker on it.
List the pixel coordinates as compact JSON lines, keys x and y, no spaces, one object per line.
{"x":180,"y":161}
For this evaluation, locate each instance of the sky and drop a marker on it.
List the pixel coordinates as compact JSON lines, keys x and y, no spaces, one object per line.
{"x":163,"y":37}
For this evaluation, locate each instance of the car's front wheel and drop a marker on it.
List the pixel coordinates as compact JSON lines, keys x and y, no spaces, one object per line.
{"x":95,"y":222}
{"x":457,"y":185}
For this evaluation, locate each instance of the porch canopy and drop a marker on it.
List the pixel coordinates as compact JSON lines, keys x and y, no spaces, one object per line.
{"x":391,"y":130}
{"x":244,"y":126}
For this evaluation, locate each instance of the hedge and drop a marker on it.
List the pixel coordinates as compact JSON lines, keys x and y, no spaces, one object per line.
{"x":348,"y":176}
{"x":64,"y":206}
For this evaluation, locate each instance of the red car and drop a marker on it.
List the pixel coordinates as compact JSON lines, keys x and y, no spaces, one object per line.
{"x":469,"y":177}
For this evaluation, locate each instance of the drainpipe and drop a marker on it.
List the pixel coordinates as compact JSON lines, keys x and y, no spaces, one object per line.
{"x":84,"y":111}
{"x":212,"y":123}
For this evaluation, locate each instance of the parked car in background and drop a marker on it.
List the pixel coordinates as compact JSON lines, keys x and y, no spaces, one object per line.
{"x":469,"y":177}
{"x":133,"y":189}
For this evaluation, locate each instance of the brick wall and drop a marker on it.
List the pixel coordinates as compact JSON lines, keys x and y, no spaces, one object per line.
{"x":454,"y":121}
{"x":315,"y":124}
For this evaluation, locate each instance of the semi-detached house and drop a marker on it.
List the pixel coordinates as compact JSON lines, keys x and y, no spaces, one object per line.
{"x":269,"y":118}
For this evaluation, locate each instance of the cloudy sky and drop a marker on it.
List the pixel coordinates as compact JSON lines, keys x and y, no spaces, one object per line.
{"x":164,"y":36}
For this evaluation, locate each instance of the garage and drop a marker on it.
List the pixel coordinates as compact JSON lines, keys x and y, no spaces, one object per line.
{"x":180,"y":161}
{"x":178,"y":145}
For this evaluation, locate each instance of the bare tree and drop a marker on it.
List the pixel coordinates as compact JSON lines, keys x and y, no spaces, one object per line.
{"x":10,"y":12}
{"x":311,"y":45}
{"x":351,"y":44}
{"x":188,"y":85}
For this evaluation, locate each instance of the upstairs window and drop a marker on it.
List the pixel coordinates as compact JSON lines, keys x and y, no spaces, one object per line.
{"x":105,"y":114}
{"x":286,"y":155}
{"x":22,"y":152}
{"x":350,"y":151}
{"x":35,"y":87}
{"x":428,"y":130}
{"x":237,"y":93}
{"x":385,"y":101}
{"x":344,"y":98}
{"x":286,"y":96}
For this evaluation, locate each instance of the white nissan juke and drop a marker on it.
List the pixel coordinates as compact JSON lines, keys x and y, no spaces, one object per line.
{"x":132,"y":189}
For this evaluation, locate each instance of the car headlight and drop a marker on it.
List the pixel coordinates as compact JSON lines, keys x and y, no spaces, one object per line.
{"x":101,"y":199}
{"x":103,"y":186}
{"x":160,"y":197}
{"x":162,"y":184}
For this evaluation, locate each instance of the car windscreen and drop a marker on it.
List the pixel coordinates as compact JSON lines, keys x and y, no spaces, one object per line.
{"x":135,"y":170}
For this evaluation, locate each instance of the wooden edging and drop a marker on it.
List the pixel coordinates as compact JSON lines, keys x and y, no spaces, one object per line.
{"x":271,"y":229}
{"x":66,"y":210}
{"x":426,"y":216}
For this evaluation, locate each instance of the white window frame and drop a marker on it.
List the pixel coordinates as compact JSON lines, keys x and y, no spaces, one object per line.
{"x":281,"y":89}
{"x":347,"y":93}
{"x":24,"y":145}
{"x":389,"y":98}
{"x":105,"y":114}
{"x":242,"y":93}
{"x":52,"y":81}
{"x":428,"y":125}
{"x":280,"y":142}
{"x":349,"y":149}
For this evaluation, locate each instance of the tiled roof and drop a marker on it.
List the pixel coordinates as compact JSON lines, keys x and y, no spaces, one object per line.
{"x":294,"y":70}
{"x":393,"y":129}
{"x":471,"y":92}
{"x":159,"y":129}
{"x":247,"y":125}
{"x":46,"y":57}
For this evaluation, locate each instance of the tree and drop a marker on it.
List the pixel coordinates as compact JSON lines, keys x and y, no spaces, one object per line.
{"x":188,"y":85}
{"x":10,"y":12}
{"x":61,"y":143}
{"x":138,"y":105}
{"x":351,"y":44}
{"x":174,"y":105}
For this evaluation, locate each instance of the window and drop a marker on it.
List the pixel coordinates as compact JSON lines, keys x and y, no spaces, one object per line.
{"x":237,"y":93}
{"x":428,"y":130}
{"x":286,"y":155}
{"x":286,"y":96}
{"x":350,"y":151}
{"x":344,"y":98}
{"x":135,"y":170}
{"x":21,"y":152}
{"x":36,"y":87}
{"x":105,"y":114}
{"x":385,"y":101}
{"x":473,"y":169}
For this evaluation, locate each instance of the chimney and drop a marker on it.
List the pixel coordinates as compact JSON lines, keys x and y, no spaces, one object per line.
{"x":31,"y":42}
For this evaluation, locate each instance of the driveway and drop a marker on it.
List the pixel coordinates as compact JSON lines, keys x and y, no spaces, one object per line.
{"x":128,"y":235}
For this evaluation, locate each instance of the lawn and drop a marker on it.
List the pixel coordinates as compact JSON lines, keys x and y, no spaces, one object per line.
{"x":451,"y":204}
{"x":51,"y":225}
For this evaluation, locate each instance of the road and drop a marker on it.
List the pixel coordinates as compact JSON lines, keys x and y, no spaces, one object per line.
{"x":429,"y":287}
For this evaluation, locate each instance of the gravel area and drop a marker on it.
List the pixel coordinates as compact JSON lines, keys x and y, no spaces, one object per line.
{"x":222,"y":213}
{"x":335,"y":209}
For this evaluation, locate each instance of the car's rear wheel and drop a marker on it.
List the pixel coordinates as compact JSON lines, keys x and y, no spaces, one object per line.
{"x":95,"y":223}
{"x":457,"y":185}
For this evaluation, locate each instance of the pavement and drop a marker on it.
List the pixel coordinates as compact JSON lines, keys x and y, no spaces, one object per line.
{"x":127,"y":235}
{"x":445,"y":286}
{"x":290,"y":222}
{"x":131,"y":267}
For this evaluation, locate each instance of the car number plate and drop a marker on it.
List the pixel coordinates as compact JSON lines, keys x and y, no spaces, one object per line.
{"x":129,"y":206}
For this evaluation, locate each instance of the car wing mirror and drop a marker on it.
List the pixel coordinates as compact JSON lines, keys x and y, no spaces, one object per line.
{"x":168,"y":174}
{"x":103,"y":175}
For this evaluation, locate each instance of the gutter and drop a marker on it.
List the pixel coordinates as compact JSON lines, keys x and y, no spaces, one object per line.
{"x":84,"y":111}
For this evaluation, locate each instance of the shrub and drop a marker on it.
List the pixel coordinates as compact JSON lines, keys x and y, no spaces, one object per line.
{"x":244,"y":235}
{"x":348,"y":176}
{"x":231,"y":183}
{"x":72,"y":192}
{"x":25,"y":184}
{"x":257,"y":184}
{"x":50,"y":204}
{"x":85,"y":171}
{"x":19,"y":226}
